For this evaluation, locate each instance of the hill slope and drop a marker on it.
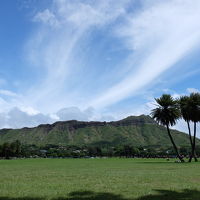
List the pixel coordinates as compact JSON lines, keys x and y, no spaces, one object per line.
{"x":141,"y":130}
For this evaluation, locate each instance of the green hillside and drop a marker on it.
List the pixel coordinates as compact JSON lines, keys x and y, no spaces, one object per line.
{"x":141,"y":130}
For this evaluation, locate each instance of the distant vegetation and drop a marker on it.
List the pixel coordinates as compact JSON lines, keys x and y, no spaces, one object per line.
{"x":18,"y":150}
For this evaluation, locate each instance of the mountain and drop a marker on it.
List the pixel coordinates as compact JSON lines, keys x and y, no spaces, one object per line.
{"x":135,"y":130}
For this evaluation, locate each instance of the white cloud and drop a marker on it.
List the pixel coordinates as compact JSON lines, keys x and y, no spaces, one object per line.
{"x":29,"y":110}
{"x":46,"y":17}
{"x":182,"y":126}
{"x":75,"y":113}
{"x":28,"y":117}
{"x":86,"y":14}
{"x":160,"y":35}
{"x":4,"y":105}
{"x":16,"y":118}
{"x":192,"y":90}
{"x":7,"y":93}
{"x":53,"y":51}
{"x":155,"y":47}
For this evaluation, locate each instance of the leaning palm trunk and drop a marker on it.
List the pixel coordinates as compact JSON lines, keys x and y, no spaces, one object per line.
{"x":174,"y":145}
{"x":191,"y":142}
{"x":194,"y":144}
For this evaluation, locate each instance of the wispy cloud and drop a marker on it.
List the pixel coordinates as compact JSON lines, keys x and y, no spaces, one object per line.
{"x":155,"y":46}
{"x":162,"y":33}
{"x":7,"y":93}
{"x":55,"y":43}
{"x":46,"y":17}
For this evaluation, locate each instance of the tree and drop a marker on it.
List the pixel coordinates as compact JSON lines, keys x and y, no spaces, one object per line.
{"x":15,"y":148}
{"x":6,"y":150}
{"x":194,"y":117}
{"x":186,"y":108}
{"x":167,"y":113}
{"x":127,"y":151}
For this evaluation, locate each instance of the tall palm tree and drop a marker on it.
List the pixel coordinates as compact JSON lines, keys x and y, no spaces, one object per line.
{"x":167,"y":113}
{"x":185,"y":108}
{"x":194,"y":117}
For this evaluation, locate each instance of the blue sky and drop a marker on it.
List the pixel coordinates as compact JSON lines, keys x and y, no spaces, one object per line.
{"x":94,"y":60}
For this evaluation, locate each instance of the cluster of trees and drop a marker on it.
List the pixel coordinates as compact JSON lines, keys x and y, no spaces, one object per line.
{"x":16,"y":149}
{"x":169,"y":110}
{"x":13,"y":149}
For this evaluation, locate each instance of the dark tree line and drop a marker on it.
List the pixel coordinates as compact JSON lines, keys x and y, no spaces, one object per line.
{"x":16,"y":149}
{"x":13,"y":149}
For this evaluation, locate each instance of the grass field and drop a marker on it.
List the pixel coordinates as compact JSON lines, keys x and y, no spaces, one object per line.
{"x":99,"y":179}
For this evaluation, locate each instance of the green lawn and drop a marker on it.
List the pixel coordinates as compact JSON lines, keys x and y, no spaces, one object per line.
{"x":99,"y":179}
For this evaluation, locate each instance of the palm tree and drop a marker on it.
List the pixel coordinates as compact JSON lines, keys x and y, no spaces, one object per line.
{"x":167,"y":113}
{"x":194,"y":117}
{"x":185,"y":108}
